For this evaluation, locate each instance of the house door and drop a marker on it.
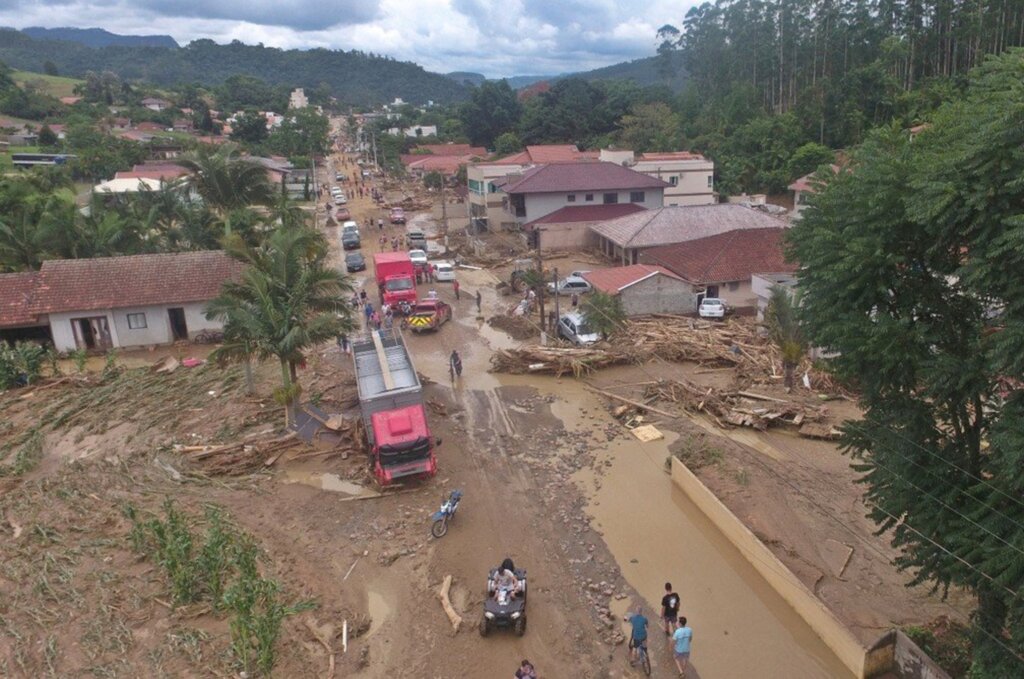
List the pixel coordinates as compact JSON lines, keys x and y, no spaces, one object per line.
{"x":92,"y":333}
{"x":179,"y":329}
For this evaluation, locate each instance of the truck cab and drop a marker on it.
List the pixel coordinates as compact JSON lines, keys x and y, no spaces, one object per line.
{"x":403,"y":445}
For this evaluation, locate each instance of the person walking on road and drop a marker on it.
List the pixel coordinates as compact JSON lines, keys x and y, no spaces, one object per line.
{"x":455,"y":287}
{"x":526,"y":671}
{"x":479,"y":300}
{"x":669,"y":609}
{"x":680,"y":643}
{"x":575,"y":300}
{"x":455,"y":365}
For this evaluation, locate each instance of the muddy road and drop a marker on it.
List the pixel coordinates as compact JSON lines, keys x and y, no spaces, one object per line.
{"x":551,"y":481}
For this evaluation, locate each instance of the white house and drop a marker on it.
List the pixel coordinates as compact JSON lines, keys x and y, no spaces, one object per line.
{"x":113,"y":302}
{"x":298,"y":99}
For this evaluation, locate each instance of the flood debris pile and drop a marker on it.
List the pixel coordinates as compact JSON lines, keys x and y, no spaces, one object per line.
{"x":517,"y":327}
{"x":734,"y":344}
{"x":240,"y":457}
{"x":742,"y":408}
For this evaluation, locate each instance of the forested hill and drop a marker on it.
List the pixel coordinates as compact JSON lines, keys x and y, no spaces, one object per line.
{"x":841,"y":67}
{"x":97,"y":37}
{"x":353,"y":77}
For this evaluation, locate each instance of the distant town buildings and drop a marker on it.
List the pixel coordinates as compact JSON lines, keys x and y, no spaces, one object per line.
{"x":298,"y":99}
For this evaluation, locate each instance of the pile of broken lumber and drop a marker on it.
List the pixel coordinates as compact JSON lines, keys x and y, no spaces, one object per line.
{"x":737,"y":408}
{"x":555,"y":360}
{"x":240,"y":457}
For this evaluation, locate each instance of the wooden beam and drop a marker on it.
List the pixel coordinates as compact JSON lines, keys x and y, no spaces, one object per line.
{"x":636,"y":404}
{"x":382,"y":358}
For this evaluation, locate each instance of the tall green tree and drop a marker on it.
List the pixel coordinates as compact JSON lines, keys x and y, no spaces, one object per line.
{"x":288,"y":300}
{"x":651,"y":127}
{"x":784,"y":329}
{"x":227,"y":181}
{"x":491,"y":110}
{"x":913,"y":270}
{"x":250,"y":127}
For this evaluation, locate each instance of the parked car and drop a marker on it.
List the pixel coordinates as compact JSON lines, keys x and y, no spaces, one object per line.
{"x":342,"y":214}
{"x":711,"y":307}
{"x":340,"y":199}
{"x":443,"y":271}
{"x":397,"y":215}
{"x":570,"y":284}
{"x":573,"y":327}
{"x":416,"y":240}
{"x":418,"y":257}
{"x":350,"y":226}
{"x":354,"y":261}
{"x":350,"y":240}
{"x":366,"y":174}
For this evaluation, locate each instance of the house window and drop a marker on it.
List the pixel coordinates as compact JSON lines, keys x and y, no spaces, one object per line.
{"x":734,"y":286}
{"x":673,"y":180}
{"x":636,"y":196}
{"x":571,"y":198}
{"x":589,"y":198}
{"x":136,"y":321}
{"x":610,"y":198}
{"x":711,"y":181}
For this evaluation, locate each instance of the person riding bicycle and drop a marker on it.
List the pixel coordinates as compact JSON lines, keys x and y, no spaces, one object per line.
{"x":455,"y":363}
{"x":638,"y":637}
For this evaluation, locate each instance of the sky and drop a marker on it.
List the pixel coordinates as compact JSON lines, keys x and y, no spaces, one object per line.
{"x":493,"y":37}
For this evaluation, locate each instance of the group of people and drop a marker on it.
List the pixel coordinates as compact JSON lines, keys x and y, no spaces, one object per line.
{"x":678,"y":632}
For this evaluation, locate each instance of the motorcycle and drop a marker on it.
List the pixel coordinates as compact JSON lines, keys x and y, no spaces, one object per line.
{"x":445,"y":514}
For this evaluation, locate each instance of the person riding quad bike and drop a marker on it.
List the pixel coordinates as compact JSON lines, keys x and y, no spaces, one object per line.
{"x":505,"y":605}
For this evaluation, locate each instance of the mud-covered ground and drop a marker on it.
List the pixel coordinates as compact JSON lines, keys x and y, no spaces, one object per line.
{"x":551,"y":479}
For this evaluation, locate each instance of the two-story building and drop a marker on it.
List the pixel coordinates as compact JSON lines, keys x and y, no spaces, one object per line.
{"x":543,"y":190}
{"x":690,"y":176}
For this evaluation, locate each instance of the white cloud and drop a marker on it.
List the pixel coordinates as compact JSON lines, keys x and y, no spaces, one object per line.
{"x":494,"y":37}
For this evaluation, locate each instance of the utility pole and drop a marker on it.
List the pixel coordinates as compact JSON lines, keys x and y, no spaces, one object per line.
{"x":558,"y":314}
{"x":373,"y":137}
{"x":444,"y":211}
{"x":540,"y":277}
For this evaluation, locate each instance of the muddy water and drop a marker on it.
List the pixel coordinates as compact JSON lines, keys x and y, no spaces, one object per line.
{"x":328,"y":482}
{"x":742,"y":628}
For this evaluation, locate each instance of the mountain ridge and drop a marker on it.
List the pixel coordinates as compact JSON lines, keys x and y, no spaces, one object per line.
{"x":99,"y":37}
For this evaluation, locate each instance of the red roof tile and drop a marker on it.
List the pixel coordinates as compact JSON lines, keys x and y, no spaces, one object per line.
{"x":545,"y":153}
{"x":17,"y":291}
{"x":582,"y":176}
{"x":132,"y":281}
{"x":807,"y":182}
{"x":586,"y":213}
{"x":725,"y":257}
{"x":613,"y":280}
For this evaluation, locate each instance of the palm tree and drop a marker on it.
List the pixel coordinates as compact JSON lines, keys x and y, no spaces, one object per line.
{"x":784,"y":329}
{"x":286,"y":301}
{"x":604,"y":312}
{"x":226,"y":181}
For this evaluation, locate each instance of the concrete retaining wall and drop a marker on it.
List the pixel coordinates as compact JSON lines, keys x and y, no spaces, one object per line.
{"x":896,"y":653}
{"x":817,"y":616}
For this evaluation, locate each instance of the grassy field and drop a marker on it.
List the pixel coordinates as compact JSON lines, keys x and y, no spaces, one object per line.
{"x":54,"y":85}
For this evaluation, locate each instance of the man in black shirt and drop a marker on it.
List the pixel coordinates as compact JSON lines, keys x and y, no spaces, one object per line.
{"x":669,"y":609}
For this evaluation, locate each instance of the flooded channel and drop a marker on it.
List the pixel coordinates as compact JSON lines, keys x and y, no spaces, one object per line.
{"x":742,"y":628}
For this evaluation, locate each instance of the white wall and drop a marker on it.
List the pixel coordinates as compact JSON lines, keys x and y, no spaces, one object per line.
{"x":157,"y":330}
{"x":695,"y":179}
{"x":541,"y":204}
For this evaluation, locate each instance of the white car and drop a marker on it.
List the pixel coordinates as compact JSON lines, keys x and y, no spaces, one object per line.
{"x":443,"y":271}
{"x":350,"y":226}
{"x":572,"y":283}
{"x":418,"y":257}
{"x":711,"y":307}
{"x":574,"y":328}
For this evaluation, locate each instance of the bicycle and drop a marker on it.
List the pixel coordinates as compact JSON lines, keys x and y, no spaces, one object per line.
{"x":642,"y":657}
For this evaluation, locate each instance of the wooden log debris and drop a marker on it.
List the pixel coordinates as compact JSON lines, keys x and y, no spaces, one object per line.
{"x":446,"y":603}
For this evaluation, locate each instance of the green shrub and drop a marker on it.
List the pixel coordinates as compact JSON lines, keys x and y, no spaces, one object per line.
{"x":20,"y":364}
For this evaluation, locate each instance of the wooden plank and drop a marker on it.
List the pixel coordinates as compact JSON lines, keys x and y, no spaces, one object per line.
{"x":627,"y":401}
{"x":760,"y":397}
{"x":385,"y":369}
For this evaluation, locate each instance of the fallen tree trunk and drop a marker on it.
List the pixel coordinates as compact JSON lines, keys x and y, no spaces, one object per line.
{"x":446,"y":602}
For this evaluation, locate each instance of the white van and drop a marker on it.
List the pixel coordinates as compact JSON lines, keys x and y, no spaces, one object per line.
{"x":574,"y":328}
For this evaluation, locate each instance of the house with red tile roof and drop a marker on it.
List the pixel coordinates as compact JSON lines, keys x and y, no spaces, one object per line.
{"x":645,"y":289}
{"x":625,"y":238}
{"x":723,"y":265}
{"x":541,"y":190}
{"x":568,"y":228}
{"x":805,"y":187}
{"x":107,"y":302}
